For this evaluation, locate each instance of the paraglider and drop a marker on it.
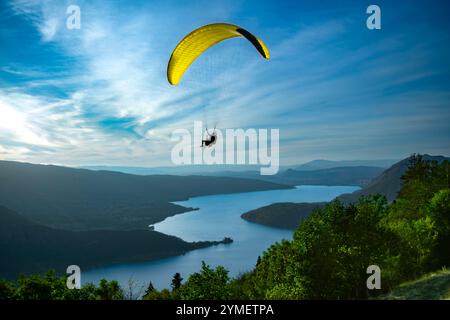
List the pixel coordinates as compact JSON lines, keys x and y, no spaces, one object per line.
{"x":200,"y":40}
{"x":210,"y":140}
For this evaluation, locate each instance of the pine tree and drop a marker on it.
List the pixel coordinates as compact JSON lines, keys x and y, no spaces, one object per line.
{"x":258,"y":261}
{"x":176,"y":281}
{"x":150,"y":289}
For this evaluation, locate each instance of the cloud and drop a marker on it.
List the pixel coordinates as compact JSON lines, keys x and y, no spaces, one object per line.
{"x":48,"y":29}
{"x":330,"y":90}
{"x":15,"y":125}
{"x":40,"y":13}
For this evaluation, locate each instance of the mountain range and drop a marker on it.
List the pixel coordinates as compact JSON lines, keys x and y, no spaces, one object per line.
{"x":338,"y":176}
{"x":327,"y":164}
{"x":225,"y":170}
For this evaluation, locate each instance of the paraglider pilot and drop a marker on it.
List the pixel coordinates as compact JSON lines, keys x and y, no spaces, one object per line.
{"x":210,"y":140}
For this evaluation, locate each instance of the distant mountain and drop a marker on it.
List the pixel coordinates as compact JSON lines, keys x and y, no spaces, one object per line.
{"x":327,"y":164}
{"x":181,"y":170}
{"x":282,"y":215}
{"x":346,"y":175}
{"x":238,"y":170}
{"x":27,"y":247}
{"x":80,"y":199}
{"x":341,"y":176}
{"x":387,"y":183}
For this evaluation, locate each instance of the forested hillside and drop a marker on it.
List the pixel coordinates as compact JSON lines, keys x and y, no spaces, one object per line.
{"x":282,"y":215}
{"x":26,"y":247}
{"x":80,"y":199}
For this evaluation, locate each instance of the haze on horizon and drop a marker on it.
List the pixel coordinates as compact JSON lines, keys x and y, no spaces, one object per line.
{"x":336,"y":90}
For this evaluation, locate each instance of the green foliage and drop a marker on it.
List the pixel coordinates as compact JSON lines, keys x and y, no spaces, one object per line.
{"x":150,"y":289}
{"x":420,"y":216}
{"x":47,"y":287}
{"x":329,"y":255}
{"x":164,"y":294}
{"x":439,"y":210}
{"x":109,"y":290}
{"x":52,"y":287}
{"x":7,"y":290}
{"x":208,"y":284}
{"x":258,"y":261}
{"x":284,"y":291}
{"x":176,"y":281}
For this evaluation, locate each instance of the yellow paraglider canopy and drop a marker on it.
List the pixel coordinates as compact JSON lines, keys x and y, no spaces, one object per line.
{"x":199,"y":40}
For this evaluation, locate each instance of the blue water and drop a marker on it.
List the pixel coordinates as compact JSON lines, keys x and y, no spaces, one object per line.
{"x":218,"y":217}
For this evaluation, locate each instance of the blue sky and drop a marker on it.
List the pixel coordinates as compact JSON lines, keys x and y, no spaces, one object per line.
{"x":335,"y":89}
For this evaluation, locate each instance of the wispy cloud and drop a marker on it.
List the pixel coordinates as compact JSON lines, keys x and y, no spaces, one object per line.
{"x":333,"y":89}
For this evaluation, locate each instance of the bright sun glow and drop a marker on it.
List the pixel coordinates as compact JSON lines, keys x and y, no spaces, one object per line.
{"x":14,"y":123}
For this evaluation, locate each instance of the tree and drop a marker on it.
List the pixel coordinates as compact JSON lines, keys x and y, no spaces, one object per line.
{"x":134,"y":290}
{"x":176,"y":281}
{"x":149,"y":289}
{"x":208,"y":284}
{"x":439,"y":210}
{"x":418,"y":216}
{"x":53,"y":287}
{"x":109,"y":290}
{"x":35,"y":287}
{"x":258,"y":261}
{"x":7,"y":290}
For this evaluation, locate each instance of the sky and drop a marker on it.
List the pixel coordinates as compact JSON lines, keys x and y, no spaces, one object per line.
{"x":336,"y":90}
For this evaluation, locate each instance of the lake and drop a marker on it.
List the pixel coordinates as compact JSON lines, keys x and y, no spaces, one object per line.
{"x":218,"y":217}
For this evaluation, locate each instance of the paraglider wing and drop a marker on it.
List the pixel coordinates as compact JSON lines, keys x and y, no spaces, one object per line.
{"x":199,"y":40}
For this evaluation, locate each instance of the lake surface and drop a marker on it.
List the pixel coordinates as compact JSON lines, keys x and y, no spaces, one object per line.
{"x":218,"y":217}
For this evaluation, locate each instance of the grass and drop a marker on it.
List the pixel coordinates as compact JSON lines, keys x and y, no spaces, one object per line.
{"x":433,"y":286}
